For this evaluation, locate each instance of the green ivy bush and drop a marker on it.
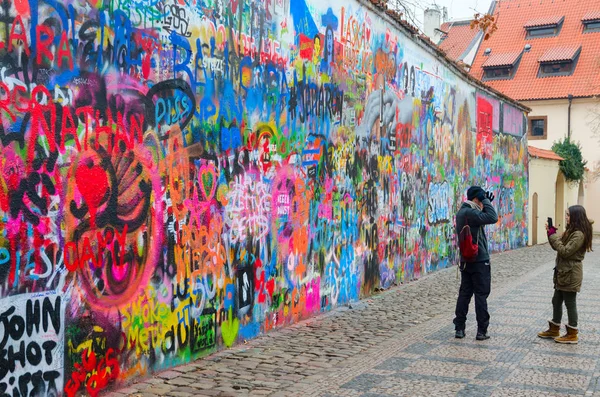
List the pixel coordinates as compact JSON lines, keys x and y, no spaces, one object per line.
{"x":573,"y":165}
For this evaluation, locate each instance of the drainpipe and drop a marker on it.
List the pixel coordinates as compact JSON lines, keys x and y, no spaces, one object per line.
{"x":569,"y":122}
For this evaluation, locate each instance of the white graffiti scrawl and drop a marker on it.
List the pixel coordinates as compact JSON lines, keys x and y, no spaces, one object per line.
{"x":248,"y":210}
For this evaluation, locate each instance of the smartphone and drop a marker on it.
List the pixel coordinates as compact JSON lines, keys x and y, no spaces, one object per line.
{"x":549,"y":222}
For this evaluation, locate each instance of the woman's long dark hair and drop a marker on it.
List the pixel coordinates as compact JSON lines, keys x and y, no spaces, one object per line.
{"x":578,"y":220}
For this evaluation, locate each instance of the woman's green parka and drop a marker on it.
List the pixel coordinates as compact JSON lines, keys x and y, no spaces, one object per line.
{"x":568,"y":273}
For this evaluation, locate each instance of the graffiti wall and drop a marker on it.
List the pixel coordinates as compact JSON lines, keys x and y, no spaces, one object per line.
{"x":180,"y":176}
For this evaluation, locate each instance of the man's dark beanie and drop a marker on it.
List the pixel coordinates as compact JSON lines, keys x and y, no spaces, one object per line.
{"x":474,"y":192}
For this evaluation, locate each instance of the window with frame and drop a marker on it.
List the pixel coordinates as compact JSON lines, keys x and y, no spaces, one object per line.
{"x":557,"y":68}
{"x":498,"y":73}
{"x":538,"y":127}
{"x":545,"y":30}
{"x":591,"y":26}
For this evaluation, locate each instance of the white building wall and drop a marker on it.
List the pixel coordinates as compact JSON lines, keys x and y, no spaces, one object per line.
{"x":541,"y":171}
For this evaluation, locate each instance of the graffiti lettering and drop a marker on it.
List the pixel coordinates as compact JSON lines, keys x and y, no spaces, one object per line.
{"x":32,"y":329}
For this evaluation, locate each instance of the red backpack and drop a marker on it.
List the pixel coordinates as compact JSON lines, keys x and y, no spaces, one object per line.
{"x":468,"y":249}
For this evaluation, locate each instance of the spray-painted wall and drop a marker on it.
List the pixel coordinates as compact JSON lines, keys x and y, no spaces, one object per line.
{"x":179,"y":176}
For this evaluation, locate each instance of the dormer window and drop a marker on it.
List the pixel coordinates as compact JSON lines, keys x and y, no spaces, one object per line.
{"x":592,"y":26}
{"x":591,"y":22}
{"x":559,"y":61}
{"x":557,"y":68}
{"x":501,"y":66}
{"x":544,"y":27}
{"x":498,"y":73}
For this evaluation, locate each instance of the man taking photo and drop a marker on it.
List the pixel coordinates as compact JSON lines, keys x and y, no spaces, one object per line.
{"x":476,"y":275}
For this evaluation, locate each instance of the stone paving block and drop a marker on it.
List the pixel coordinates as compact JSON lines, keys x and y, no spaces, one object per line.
{"x":456,"y":360}
{"x":558,"y":369}
{"x":178,"y":393}
{"x":471,"y":390}
{"x":129,"y":390}
{"x":543,"y":390}
{"x":491,"y":384}
{"x":462,"y":351}
{"x":509,"y":356}
{"x":370,"y":395}
{"x":419,"y":348}
{"x":364,"y":382}
{"x":154,"y":381}
{"x":594,"y":385}
{"x":435,"y":378}
{"x":162,"y":389}
{"x":143,"y":394}
{"x":186,"y":389}
{"x":418,"y":387}
{"x":260,"y":392}
{"x":538,"y":377}
{"x":210,"y":392}
{"x":395,"y":364}
{"x":506,"y":330}
{"x":202,"y":384}
{"x":493,"y":374}
{"x":442,"y":335}
{"x":140,"y":387}
{"x":186,"y":368}
{"x":515,"y":392}
{"x":444,"y":369}
{"x":168,"y":374}
{"x":180,"y":381}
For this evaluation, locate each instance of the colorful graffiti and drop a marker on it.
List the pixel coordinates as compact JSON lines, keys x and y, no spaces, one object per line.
{"x":177,"y":176}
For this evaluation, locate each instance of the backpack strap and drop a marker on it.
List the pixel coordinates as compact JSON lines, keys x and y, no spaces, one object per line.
{"x":478,"y":230}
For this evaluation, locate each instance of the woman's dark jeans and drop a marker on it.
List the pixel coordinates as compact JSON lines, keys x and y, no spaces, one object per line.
{"x":570,"y":299}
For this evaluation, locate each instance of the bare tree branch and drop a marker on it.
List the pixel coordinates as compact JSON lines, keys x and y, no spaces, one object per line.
{"x":403,"y":7}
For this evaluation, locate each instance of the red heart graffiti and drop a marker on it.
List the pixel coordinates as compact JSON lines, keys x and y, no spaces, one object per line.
{"x":271,"y":286}
{"x":22,"y":7}
{"x":92,"y":183}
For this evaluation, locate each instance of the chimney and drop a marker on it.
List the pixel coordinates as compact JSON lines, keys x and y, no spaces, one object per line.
{"x":432,"y":24}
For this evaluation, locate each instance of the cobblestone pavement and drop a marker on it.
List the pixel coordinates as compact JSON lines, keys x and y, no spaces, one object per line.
{"x":400,"y":342}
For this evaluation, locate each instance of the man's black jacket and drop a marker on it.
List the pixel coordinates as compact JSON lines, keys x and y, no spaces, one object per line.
{"x":477,"y":220}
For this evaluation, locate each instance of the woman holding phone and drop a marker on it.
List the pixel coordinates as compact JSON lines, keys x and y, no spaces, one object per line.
{"x":570,"y":249}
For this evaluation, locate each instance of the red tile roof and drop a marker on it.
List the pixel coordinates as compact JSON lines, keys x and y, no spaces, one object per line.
{"x":543,"y":154}
{"x":501,"y":59}
{"x":457,"y":38}
{"x":511,"y":38}
{"x":591,"y":16}
{"x":557,"y":54}
{"x":545,"y":21}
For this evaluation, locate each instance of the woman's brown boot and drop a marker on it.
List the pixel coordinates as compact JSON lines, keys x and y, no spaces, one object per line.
{"x":552,"y":332}
{"x":571,"y":337}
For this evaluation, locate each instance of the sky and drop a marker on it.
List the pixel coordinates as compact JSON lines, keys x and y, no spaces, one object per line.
{"x":464,"y":8}
{"x":457,"y":9}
